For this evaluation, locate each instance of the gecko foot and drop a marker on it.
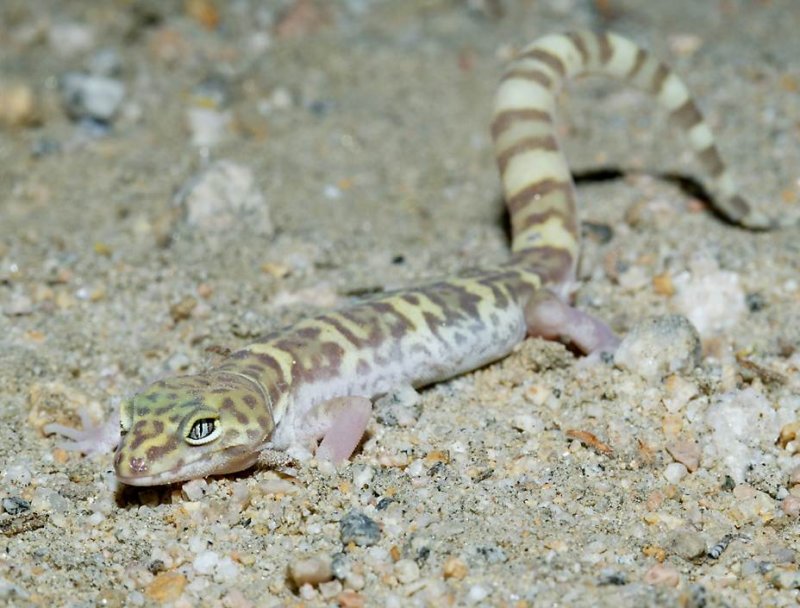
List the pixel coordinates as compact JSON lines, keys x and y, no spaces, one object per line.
{"x":549,"y":317}
{"x":91,"y":438}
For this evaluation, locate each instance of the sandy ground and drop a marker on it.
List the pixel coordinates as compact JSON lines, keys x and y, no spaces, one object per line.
{"x":538,"y":481}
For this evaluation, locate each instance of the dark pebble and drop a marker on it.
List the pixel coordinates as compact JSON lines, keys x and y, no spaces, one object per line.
{"x":359,"y":529}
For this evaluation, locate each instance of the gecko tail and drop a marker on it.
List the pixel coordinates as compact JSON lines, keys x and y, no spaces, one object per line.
{"x":538,"y":186}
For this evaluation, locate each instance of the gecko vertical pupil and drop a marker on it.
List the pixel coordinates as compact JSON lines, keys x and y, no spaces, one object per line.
{"x":202,"y":429}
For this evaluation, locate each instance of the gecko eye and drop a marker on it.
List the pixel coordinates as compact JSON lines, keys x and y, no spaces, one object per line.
{"x":204,"y":430}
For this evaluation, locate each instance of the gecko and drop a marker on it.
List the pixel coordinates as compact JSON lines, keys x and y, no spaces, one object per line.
{"x":310,"y":386}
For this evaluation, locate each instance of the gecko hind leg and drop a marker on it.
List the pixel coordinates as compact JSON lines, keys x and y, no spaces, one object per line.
{"x":547,"y":316}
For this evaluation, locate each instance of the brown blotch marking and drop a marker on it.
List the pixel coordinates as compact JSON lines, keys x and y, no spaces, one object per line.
{"x":139,"y":435}
{"x":549,"y":59}
{"x":263,"y":422}
{"x":250,"y":401}
{"x":164,"y":410}
{"x":310,"y":334}
{"x":401,"y":326}
{"x":641,"y":57}
{"x":528,"y":74}
{"x":269,"y":362}
{"x":411,"y":298}
{"x":343,"y":331}
{"x":687,"y":115}
{"x":240,"y":416}
{"x":659,"y":77}
{"x":227,"y":404}
{"x":711,"y":160}
{"x":537,"y":219}
{"x":157,"y":451}
{"x":580,"y":46}
{"x":362,"y":316}
{"x":526,"y":144}
{"x":552,"y":264}
{"x":253,"y":434}
{"x":606,"y":50}
{"x":503,"y":120}
{"x":501,"y":296}
{"x":530,"y":194}
{"x":433,"y":322}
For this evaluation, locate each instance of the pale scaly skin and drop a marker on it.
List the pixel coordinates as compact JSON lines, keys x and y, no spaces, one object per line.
{"x":314,"y":380}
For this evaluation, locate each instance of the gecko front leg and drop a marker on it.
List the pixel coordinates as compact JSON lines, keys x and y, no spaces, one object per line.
{"x":338,"y":424}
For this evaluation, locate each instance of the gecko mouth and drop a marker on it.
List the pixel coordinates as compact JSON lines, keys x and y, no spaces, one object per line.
{"x":223,"y":463}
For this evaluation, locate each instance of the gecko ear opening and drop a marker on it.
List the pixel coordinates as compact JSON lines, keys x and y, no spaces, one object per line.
{"x":204,"y":430}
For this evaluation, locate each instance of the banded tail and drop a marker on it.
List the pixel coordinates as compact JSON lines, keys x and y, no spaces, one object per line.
{"x":537,"y":183}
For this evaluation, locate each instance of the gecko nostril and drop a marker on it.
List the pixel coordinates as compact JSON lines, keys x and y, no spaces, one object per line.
{"x":138,"y":465}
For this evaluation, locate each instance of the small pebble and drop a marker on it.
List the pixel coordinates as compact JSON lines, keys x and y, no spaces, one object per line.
{"x":686,"y":452}
{"x":18,"y":305}
{"x":311,"y":571}
{"x":15,"y":505}
{"x":679,"y":392}
{"x":351,"y":599}
{"x":791,"y":506}
{"x":674,"y":472}
{"x":166,"y":587}
{"x":455,"y":567}
{"x":93,"y":97}
{"x":688,"y":544}
{"x":739,"y":420}
{"x":401,"y":407}
{"x":208,"y":127}
{"x":406,"y":571}
{"x":330,"y":589}
{"x":660,"y":346}
{"x":194,"y":489}
{"x":786,"y":579}
{"x":766,"y":476}
{"x":222,"y":197}
{"x":477,"y":593}
{"x":19,"y":106}
{"x":712,"y":299}
{"x":662,"y":574}
{"x":357,"y":528}
{"x":206,"y":562}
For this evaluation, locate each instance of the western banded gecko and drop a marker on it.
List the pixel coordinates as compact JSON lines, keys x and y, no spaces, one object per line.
{"x":313,"y":381}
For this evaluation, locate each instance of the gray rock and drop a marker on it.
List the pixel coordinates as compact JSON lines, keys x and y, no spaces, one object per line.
{"x":688,"y":544}
{"x":88,"y":96}
{"x":357,"y":528}
{"x":660,"y":346}
{"x":224,"y":197}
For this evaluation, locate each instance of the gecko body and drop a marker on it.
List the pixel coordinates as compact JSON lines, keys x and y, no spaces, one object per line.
{"x":313,"y":381}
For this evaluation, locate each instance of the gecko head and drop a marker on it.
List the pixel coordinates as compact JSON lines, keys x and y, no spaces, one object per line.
{"x":191,"y":426}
